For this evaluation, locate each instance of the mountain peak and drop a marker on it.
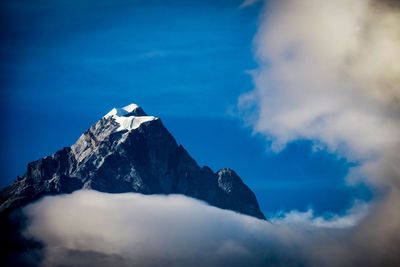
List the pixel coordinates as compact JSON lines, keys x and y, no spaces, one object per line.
{"x":129,"y":151}
{"x":129,"y":117}
{"x":127,"y":111}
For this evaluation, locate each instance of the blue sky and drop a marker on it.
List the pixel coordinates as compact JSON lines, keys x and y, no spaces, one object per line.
{"x":64,"y":64}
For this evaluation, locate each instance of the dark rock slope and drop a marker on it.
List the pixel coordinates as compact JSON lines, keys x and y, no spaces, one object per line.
{"x":128,"y":151}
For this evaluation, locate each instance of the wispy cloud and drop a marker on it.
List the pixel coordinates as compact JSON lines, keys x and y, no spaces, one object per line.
{"x":248,"y":3}
{"x":307,"y":218}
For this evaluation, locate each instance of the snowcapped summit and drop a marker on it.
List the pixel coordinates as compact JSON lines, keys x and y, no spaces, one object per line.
{"x":129,"y":151}
{"x":129,"y":117}
{"x":131,"y":109}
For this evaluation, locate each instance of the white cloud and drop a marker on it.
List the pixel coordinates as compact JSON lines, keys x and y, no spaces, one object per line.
{"x":334,"y":221}
{"x":329,"y":72}
{"x":99,"y":229}
{"x":133,"y":229}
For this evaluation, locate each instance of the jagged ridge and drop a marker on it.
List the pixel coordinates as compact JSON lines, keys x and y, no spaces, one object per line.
{"x":128,"y":151}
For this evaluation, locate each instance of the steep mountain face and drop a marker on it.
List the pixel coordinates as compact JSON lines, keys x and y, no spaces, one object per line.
{"x":128,"y":151}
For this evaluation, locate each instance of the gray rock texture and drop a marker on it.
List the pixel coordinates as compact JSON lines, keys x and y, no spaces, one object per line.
{"x":146,"y":159}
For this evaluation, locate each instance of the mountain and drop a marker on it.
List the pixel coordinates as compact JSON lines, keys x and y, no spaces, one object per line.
{"x":129,"y":151}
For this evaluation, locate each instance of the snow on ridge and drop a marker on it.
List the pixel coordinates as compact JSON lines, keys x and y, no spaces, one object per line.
{"x":128,"y":122}
{"x":122,"y":111}
{"x":113,"y":112}
{"x":132,"y":122}
{"x":131,"y":107}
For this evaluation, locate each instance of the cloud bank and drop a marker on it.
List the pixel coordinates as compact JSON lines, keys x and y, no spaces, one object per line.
{"x":100,"y":229}
{"x":329,"y":72}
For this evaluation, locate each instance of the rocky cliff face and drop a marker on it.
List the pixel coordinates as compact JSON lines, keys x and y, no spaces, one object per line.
{"x":128,"y":151}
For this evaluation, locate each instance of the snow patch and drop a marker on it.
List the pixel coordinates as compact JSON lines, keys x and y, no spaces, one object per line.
{"x":130,"y":107}
{"x":128,"y":122}
{"x":131,"y":122}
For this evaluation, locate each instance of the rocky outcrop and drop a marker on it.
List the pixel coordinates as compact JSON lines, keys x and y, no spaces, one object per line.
{"x":128,"y":151}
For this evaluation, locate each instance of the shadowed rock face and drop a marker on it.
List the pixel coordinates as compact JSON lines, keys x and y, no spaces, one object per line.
{"x":129,"y":151}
